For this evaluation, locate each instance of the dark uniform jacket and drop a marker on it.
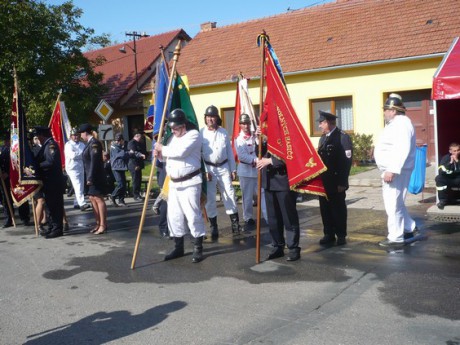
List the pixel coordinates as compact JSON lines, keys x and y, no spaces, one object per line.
{"x":332,"y":151}
{"x":5,"y":160}
{"x":49,"y":165}
{"x":447,"y":168}
{"x":93,"y":163}
{"x":275,"y":177}
{"x":135,"y":160}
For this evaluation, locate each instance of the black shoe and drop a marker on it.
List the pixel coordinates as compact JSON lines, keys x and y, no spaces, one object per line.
{"x":277,"y":252}
{"x":409,"y":235}
{"x":249,"y":225}
{"x":76,"y":207}
{"x":66,"y":227}
{"x":174,"y":254}
{"x":7,"y":225}
{"x":294,"y":254}
{"x":388,"y":243}
{"x":341,"y":241}
{"x":327,"y":239}
{"x":85,"y":207}
{"x":54,"y":234}
{"x":113,"y":201}
{"x":441,"y":205}
{"x":214,"y":235}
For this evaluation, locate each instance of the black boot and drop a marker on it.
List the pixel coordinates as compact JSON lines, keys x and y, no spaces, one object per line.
{"x":214,"y":228}
{"x":178,"y":250}
{"x":235,"y":223}
{"x":197,"y":255}
{"x":294,"y":254}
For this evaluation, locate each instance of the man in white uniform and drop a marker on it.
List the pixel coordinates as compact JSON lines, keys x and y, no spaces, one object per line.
{"x":182,"y":155}
{"x":395,"y":158}
{"x":73,"y":150}
{"x":245,"y":145}
{"x":220,"y":169}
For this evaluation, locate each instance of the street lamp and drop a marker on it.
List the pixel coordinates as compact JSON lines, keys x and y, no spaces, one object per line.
{"x":135,"y":35}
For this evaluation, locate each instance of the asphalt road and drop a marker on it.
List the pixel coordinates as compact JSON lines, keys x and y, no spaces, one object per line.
{"x":79,"y":289}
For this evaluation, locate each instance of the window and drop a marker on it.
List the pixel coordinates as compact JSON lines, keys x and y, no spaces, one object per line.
{"x":340,"y":106}
{"x":228,"y":115}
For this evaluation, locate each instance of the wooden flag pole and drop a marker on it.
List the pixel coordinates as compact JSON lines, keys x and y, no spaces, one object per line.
{"x":8,"y":201}
{"x":160,"y":135}
{"x":262,"y":37}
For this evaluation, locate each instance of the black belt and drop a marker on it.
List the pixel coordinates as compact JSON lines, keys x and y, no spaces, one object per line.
{"x":186,"y":177}
{"x":246,"y":163}
{"x":217,"y":164}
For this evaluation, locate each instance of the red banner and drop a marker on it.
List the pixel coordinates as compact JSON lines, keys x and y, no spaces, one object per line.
{"x":23,"y":181}
{"x":286,"y":137}
{"x":56,"y":130}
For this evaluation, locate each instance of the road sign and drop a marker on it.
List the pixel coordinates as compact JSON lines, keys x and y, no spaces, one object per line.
{"x":105,"y":132}
{"x":104,"y":110}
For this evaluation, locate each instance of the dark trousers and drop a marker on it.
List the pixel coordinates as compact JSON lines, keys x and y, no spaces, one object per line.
{"x":163,"y":222}
{"x":120,"y":189}
{"x":446,"y":182}
{"x":334,"y":214}
{"x":282,"y":214}
{"x":24,"y":209}
{"x":136,"y":176}
{"x":55,"y":202}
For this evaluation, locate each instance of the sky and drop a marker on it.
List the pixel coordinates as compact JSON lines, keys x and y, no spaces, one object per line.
{"x":115,"y":17}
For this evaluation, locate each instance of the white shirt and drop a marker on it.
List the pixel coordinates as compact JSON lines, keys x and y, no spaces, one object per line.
{"x":73,"y":156}
{"x":183,"y":156}
{"x":216,"y":147}
{"x":246,"y":149}
{"x":395,"y":149}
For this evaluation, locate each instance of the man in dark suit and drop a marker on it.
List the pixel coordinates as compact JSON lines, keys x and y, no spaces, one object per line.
{"x":281,"y":208}
{"x":136,"y":163}
{"x":50,"y":171}
{"x":335,"y":149}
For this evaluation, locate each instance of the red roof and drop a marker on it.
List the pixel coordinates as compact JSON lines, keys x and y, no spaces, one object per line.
{"x":334,"y":34}
{"x":118,"y":70}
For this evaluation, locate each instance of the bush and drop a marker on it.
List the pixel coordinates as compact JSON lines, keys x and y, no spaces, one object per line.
{"x":362,"y":147}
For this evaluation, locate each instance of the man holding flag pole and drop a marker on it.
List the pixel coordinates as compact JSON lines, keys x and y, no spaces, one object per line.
{"x":290,"y":164}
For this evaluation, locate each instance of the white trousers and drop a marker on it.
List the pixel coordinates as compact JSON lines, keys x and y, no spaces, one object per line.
{"x":248,"y":187}
{"x":184,"y":211}
{"x":220,"y":176}
{"x":78,"y":182}
{"x":394,"y":196}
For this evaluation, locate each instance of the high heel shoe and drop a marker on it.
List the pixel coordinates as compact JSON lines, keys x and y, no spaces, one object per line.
{"x":95,"y":229}
{"x":102,"y":230}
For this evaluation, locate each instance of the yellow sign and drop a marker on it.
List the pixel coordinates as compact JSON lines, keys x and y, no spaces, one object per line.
{"x":104,"y":110}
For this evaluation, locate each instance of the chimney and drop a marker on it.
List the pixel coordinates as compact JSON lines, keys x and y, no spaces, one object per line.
{"x":208,"y":26}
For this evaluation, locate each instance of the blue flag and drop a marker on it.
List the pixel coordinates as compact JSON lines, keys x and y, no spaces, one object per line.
{"x":161,"y":88}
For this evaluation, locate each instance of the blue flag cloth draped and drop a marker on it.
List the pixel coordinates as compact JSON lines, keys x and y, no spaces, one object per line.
{"x":161,"y":88}
{"x":417,"y":179}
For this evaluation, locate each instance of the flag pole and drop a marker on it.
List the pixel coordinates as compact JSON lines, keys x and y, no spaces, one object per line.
{"x":55,"y":105}
{"x":262,"y":37}
{"x":160,"y":135}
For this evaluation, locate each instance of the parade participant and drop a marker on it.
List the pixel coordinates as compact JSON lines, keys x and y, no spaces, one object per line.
{"x":281,"y":207}
{"x":24,"y":209}
{"x":50,"y":172}
{"x":220,"y":170}
{"x":335,"y":150}
{"x":448,"y":174}
{"x":118,"y":159}
{"x":182,"y":156}
{"x":395,"y":158}
{"x":136,"y":163}
{"x":95,"y":177}
{"x":245,"y":145}
{"x":39,"y":197}
{"x":73,"y":150}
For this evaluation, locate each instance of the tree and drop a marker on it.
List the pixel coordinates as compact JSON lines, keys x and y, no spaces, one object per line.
{"x":44,"y":43}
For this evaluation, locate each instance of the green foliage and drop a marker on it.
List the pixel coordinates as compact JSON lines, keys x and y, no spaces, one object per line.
{"x":362,"y":147}
{"x":44,"y":43}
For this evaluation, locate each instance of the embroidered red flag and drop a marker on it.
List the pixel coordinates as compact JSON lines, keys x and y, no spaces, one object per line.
{"x":286,"y":137}
{"x":56,"y":130}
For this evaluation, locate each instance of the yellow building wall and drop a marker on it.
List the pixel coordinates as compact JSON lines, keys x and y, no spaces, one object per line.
{"x":367,"y":85}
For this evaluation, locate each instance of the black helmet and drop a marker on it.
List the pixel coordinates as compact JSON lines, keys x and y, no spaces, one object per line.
{"x":176,"y":118}
{"x":244,"y":118}
{"x":394,"y":101}
{"x":211,"y":111}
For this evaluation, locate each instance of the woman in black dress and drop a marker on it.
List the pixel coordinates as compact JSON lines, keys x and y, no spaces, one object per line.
{"x":95,"y":177}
